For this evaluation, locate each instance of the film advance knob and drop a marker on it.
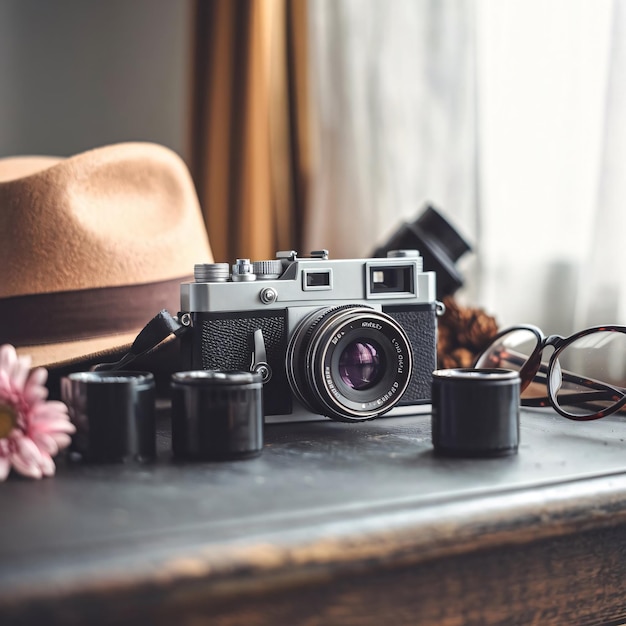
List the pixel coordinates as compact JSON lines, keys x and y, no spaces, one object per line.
{"x":268,"y":270}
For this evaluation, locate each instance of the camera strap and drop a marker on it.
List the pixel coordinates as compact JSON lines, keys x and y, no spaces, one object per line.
{"x":154,"y":333}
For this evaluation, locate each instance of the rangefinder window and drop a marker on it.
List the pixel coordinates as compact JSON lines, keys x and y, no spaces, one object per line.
{"x":317,"y":280}
{"x":388,"y":280}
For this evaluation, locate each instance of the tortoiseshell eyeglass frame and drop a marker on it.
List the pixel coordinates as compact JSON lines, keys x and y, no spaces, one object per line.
{"x":531,"y":369}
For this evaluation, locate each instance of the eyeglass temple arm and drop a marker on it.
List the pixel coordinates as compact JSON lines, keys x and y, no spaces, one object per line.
{"x":599,"y":391}
{"x":585,"y":397}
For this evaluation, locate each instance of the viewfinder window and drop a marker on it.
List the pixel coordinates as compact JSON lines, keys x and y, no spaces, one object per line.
{"x":391,"y":279}
{"x":319,"y":280}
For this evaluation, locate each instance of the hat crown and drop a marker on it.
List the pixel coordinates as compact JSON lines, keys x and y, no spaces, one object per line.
{"x":121,"y":214}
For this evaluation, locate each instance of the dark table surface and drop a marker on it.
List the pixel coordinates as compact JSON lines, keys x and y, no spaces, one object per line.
{"x":317,"y":527}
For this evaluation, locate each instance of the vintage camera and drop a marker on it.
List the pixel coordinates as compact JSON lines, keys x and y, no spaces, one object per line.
{"x":349,"y":339}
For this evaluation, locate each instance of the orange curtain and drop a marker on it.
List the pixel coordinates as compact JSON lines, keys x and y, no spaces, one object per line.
{"x":249,"y":144}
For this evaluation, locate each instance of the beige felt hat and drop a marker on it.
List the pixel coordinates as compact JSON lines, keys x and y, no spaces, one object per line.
{"x":92,"y":247}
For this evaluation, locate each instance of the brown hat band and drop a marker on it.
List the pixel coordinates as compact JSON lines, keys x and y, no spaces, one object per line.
{"x":45,"y":318}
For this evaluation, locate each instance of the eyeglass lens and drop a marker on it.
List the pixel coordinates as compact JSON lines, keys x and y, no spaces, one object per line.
{"x":512,"y":351}
{"x":588,"y":374}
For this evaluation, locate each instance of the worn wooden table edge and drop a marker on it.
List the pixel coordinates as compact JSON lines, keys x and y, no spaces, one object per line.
{"x":402,"y":535}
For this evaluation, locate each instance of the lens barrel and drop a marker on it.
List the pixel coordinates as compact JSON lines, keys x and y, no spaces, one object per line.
{"x":350,"y":363}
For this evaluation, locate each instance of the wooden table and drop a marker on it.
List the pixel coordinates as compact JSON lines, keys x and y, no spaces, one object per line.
{"x":332,"y":524}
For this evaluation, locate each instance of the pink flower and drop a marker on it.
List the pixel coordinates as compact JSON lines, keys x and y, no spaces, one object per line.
{"x":32,"y":428}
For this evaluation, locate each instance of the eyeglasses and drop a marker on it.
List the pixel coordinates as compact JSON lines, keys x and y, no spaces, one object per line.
{"x":585,"y":376}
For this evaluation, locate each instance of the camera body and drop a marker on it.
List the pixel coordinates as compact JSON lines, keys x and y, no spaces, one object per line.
{"x":347,"y":338}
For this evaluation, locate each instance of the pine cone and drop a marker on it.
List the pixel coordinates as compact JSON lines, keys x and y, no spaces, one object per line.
{"x":463,"y":333}
{"x":476,"y":329}
{"x":464,"y":357}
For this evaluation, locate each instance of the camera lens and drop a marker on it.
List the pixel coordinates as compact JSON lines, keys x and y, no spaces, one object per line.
{"x":350,"y":363}
{"x":361,"y":364}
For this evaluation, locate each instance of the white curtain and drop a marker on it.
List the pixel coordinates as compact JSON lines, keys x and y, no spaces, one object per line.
{"x":508,"y":116}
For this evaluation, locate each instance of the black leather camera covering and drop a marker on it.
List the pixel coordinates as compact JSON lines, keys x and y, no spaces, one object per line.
{"x":420,"y":324}
{"x":227,"y":343}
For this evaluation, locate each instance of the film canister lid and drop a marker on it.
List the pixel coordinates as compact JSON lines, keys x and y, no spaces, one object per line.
{"x":475,"y":412}
{"x":114,"y":415}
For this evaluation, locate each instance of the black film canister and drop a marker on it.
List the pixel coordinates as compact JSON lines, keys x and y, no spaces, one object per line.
{"x":216,"y":415}
{"x":114,"y":415}
{"x":475,"y":412}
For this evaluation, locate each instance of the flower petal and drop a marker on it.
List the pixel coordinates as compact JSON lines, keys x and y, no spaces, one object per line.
{"x":5,"y":383}
{"x":61,"y":439}
{"x":28,"y":459}
{"x":51,"y":409}
{"x":53,"y":426}
{"x":46,"y":443}
{"x":38,"y":375}
{"x":17,"y":367}
{"x":21,"y":370}
{"x":5,"y":466}
{"x":47,"y":466}
{"x":26,"y":447}
{"x":8,"y":357}
{"x":35,"y":390}
{"x":25,"y":468}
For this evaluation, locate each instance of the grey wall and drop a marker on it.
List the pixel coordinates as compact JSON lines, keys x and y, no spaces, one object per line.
{"x":76,"y":74}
